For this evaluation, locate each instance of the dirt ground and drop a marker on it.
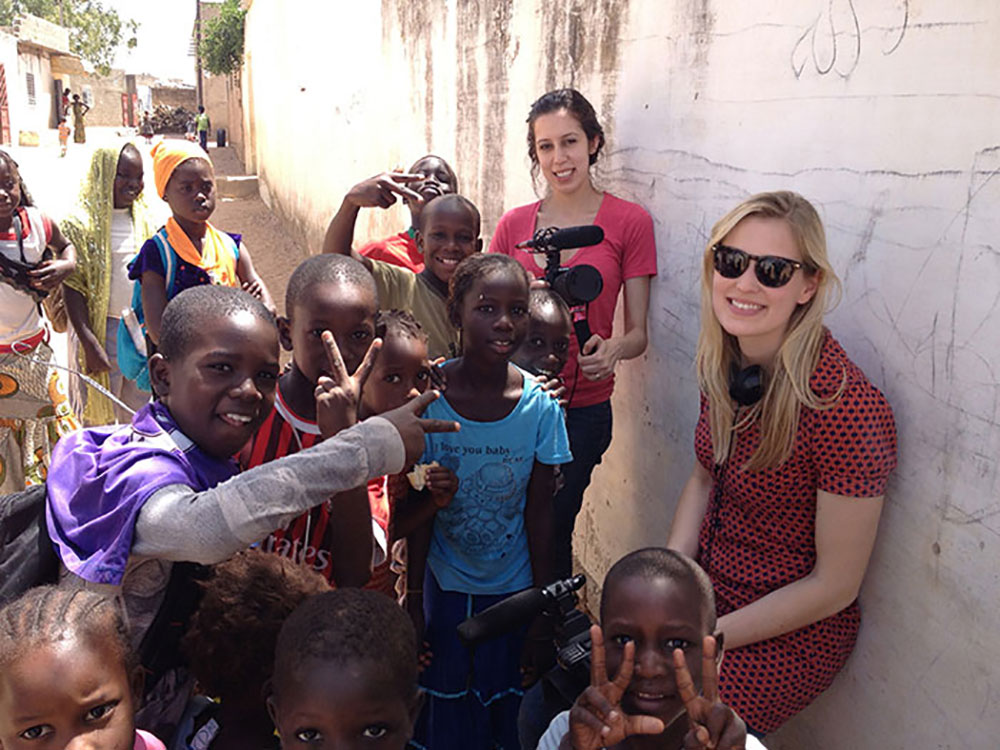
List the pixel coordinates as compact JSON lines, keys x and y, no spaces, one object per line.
{"x":276,"y":250}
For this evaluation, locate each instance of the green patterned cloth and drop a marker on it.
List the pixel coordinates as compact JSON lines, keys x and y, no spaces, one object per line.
{"x":89,"y":229}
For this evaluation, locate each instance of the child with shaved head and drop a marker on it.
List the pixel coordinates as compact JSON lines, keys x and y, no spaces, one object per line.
{"x":345,"y":673}
{"x":125,"y":504}
{"x":654,"y":665}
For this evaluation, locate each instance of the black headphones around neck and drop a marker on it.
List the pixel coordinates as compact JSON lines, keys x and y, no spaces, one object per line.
{"x":746,"y":386}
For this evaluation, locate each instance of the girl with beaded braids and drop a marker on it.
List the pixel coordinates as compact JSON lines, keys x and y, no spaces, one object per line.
{"x":783,"y":504}
{"x":493,"y":538}
{"x":68,"y":675}
{"x":564,"y":142}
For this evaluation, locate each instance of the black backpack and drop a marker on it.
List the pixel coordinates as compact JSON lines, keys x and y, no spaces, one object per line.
{"x":27,"y":558}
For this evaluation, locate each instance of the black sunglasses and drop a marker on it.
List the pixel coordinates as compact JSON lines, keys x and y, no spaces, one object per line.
{"x":771,"y":270}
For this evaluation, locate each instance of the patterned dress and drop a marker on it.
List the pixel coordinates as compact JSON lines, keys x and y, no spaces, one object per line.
{"x":34,"y":407}
{"x":759,"y":535}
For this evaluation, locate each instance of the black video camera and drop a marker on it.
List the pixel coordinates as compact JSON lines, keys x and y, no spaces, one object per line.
{"x":560,"y":686}
{"x":557,"y":601}
{"x":577,"y":285}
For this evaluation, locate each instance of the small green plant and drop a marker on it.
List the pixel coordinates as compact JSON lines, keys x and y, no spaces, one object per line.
{"x":222,"y":40}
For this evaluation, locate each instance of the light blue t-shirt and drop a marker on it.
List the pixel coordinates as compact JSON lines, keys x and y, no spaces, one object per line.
{"x":479,"y":544}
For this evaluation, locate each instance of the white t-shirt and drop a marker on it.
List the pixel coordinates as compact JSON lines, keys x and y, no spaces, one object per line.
{"x":19,"y":316}
{"x":559,"y":728}
{"x":123,"y":249}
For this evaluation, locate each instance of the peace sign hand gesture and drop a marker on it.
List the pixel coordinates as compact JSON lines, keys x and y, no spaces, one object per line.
{"x":713,"y":723}
{"x":381,"y":190}
{"x":339,"y":394}
{"x":596,"y":719}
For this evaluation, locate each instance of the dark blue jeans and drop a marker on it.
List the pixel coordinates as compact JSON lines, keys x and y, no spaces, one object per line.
{"x":589,"y":430}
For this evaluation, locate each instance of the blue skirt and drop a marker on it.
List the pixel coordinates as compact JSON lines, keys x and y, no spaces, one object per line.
{"x":472,"y":694}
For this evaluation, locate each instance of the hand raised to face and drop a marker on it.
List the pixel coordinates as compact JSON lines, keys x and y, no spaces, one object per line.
{"x":713,"y":723}
{"x":339,"y":394}
{"x":597,"y":719}
{"x":381,"y":190}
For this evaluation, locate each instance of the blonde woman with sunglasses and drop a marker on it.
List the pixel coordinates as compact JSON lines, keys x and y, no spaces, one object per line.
{"x":794,"y":448}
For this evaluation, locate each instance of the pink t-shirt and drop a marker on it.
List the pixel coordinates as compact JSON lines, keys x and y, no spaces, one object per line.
{"x":628,"y":251}
{"x":146,"y":741}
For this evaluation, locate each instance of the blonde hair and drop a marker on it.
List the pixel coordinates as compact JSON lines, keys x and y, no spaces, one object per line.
{"x":788,"y":384}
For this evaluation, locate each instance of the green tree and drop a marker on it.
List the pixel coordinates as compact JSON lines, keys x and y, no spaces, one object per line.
{"x":95,"y":31}
{"x":222,"y":40}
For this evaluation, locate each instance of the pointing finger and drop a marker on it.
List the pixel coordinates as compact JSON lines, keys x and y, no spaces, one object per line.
{"x":407,"y":176}
{"x":365,"y":368}
{"x":404,"y":191}
{"x":624,"y":676}
{"x":421,"y":402}
{"x":439,"y":425}
{"x":685,"y":685}
{"x":709,"y":671}
{"x":598,"y":668}
{"x":337,"y":369}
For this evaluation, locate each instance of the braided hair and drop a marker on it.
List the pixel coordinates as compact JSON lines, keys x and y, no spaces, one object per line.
{"x":49,"y":614}
{"x":475,"y":267}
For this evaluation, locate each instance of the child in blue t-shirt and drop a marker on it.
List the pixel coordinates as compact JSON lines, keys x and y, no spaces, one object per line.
{"x":493,"y":539}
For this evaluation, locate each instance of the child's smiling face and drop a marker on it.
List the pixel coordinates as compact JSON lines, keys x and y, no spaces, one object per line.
{"x":346,"y":310}
{"x":70,"y":693}
{"x":494,"y":315}
{"x":190,"y":191}
{"x":401,"y":373}
{"x":439,"y":179}
{"x":343,"y":706}
{"x":448,"y":234}
{"x":128,"y":179}
{"x":546,"y":347}
{"x":221,"y":389}
{"x":10,"y":189}
{"x":658,"y":615}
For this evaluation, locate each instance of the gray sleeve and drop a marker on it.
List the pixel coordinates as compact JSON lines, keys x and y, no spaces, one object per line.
{"x":177,"y":523}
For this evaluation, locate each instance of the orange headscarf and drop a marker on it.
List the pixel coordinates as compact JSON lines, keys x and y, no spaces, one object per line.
{"x":216,"y":256}
{"x":169,"y":154}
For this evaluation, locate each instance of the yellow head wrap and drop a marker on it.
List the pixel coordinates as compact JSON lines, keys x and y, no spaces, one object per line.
{"x":169,"y":154}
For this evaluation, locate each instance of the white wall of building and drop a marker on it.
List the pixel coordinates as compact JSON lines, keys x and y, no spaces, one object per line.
{"x":886,"y":114}
{"x":33,"y":115}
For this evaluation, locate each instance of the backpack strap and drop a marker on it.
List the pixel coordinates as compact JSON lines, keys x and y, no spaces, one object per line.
{"x":169,"y":259}
{"x":19,"y":234}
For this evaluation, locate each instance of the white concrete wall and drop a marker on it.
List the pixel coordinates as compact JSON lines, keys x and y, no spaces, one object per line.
{"x":32,"y":117}
{"x":885,"y":113}
{"x":12,"y":78}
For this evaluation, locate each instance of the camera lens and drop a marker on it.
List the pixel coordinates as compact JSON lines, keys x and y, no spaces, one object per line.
{"x":579,"y":284}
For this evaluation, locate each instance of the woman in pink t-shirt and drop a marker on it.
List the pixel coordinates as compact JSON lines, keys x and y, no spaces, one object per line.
{"x":564,"y":140}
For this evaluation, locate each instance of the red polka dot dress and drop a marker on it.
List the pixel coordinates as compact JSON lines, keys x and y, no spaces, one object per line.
{"x":758,"y":535}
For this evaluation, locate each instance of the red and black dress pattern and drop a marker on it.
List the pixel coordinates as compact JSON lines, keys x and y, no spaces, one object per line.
{"x":758,"y":535}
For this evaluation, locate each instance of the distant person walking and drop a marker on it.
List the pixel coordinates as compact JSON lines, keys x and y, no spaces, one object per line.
{"x":64,"y":103}
{"x":201,"y":124}
{"x":63,"y":136}
{"x":146,"y":129}
{"x":80,"y":109}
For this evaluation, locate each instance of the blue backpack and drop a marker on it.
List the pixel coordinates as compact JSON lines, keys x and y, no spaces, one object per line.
{"x":131,"y":362}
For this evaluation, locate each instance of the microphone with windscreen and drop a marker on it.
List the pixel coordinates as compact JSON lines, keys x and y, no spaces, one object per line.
{"x":504,"y":617}
{"x":577,"y":285}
